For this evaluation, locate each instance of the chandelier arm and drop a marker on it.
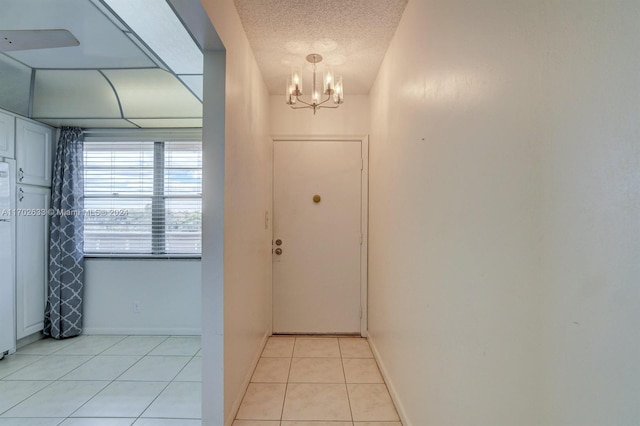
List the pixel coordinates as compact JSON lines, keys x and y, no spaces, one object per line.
{"x":326,"y":100}
{"x":303,"y":102}
{"x":315,"y":103}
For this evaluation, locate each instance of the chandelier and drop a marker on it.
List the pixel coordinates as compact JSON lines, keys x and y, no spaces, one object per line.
{"x":331,"y":88}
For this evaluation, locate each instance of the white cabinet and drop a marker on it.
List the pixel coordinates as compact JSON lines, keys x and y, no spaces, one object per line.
{"x":7,"y":135}
{"x":33,"y":153}
{"x":32,"y":235}
{"x":7,"y":259}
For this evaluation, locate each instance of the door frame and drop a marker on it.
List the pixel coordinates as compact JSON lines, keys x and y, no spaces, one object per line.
{"x":364,"y":211}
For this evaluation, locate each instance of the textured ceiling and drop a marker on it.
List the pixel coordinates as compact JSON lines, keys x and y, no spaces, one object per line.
{"x":351,"y":35}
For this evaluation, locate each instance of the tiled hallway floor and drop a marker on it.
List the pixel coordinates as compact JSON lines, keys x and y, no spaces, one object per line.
{"x":317,"y":381}
{"x":103,"y":381}
{"x":156,"y":381}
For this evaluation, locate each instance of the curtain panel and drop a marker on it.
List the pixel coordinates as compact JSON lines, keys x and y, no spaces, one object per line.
{"x":63,"y":314}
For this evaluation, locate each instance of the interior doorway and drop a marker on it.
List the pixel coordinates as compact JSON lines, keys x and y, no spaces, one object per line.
{"x":319,"y":235}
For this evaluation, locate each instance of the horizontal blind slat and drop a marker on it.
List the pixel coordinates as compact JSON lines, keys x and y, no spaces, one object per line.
{"x":119,"y":201}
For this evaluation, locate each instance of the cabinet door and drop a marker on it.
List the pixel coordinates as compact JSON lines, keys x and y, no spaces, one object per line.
{"x":32,"y":257}
{"x":7,"y":134}
{"x":7,"y":260}
{"x":33,"y":153}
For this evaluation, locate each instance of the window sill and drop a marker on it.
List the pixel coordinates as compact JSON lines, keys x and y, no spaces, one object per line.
{"x":143,"y":257}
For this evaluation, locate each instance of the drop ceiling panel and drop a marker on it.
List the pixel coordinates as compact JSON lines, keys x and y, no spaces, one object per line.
{"x":73,"y":94}
{"x":155,"y":22}
{"x":15,"y":84}
{"x":90,"y":123}
{"x":193,"y":82}
{"x":102,"y":44}
{"x":153,"y":93}
{"x":168,"y":123}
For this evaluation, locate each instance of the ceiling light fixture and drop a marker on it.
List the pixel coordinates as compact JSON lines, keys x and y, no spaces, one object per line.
{"x":332,"y":88}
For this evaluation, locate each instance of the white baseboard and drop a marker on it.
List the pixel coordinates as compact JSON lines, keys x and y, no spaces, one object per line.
{"x":144,"y":331}
{"x":29,"y":339}
{"x":245,"y":385}
{"x":392,"y":390}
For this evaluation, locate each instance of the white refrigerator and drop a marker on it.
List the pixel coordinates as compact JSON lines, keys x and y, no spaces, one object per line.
{"x":7,"y":258}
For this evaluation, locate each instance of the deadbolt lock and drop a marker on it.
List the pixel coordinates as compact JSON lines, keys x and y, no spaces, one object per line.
{"x":278,"y":242}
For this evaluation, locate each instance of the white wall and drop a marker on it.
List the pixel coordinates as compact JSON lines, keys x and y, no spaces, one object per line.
{"x":168,"y":292}
{"x":351,"y":118}
{"x":591,"y":186}
{"x":504,"y":201}
{"x":213,"y":268}
{"x":247,"y":241}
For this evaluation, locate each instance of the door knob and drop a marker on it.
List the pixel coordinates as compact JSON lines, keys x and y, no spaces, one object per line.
{"x":278,"y":251}
{"x":278,"y":242}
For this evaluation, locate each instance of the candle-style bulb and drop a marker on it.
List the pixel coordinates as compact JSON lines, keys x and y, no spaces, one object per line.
{"x":338,"y":94}
{"x":296,"y":81}
{"x":329,"y":83}
{"x":289,"y":97}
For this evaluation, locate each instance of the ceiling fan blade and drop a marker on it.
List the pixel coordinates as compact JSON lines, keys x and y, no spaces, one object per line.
{"x":35,"y":39}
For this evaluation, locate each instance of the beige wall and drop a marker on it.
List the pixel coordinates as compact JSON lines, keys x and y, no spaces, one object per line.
{"x":504,"y":231}
{"x":247,"y":243}
{"x":454,"y":216}
{"x":590,"y":151}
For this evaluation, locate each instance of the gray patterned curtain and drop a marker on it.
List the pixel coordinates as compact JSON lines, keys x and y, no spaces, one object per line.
{"x":63,"y":315}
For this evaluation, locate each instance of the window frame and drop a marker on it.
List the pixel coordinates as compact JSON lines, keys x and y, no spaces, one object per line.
{"x":159,"y":137}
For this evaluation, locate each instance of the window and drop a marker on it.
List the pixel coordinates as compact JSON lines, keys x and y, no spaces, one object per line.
{"x":143,"y":198}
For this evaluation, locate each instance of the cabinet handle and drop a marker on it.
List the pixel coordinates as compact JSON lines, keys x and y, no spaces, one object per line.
{"x":20,"y":194}
{"x":20,"y":174}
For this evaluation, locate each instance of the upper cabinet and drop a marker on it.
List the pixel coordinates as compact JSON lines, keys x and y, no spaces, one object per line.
{"x":33,"y":153}
{"x":7,"y":132}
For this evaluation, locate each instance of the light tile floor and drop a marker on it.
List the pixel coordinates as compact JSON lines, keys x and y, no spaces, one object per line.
{"x":317,"y":381}
{"x":156,"y":381}
{"x":103,"y":381}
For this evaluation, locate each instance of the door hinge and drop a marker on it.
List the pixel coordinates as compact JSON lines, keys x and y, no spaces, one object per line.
{"x":361,"y":238}
{"x":360,"y":311}
{"x":362,"y":164}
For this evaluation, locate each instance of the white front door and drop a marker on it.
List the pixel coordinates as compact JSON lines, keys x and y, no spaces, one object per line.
{"x":317,"y":233}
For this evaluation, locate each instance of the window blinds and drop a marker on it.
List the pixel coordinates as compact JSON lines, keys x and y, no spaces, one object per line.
{"x":143,"y":198}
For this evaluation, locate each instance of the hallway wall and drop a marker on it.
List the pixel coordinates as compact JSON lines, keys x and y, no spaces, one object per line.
{"x":591,"y":236}
{"x":243,"y":325}
{"x":504,"y":201}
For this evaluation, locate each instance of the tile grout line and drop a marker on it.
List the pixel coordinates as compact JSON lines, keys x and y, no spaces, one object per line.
{"x":115,"y":379}
{"x":38,"y":391}
{"x":24,"y":366}
{"x":164,"y":388}
{"x":112,"y":381}
{"x":344,"y":374}
{"x":286,"y":385}
{"x":46,"y":356}
{"x":92,"y":356}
